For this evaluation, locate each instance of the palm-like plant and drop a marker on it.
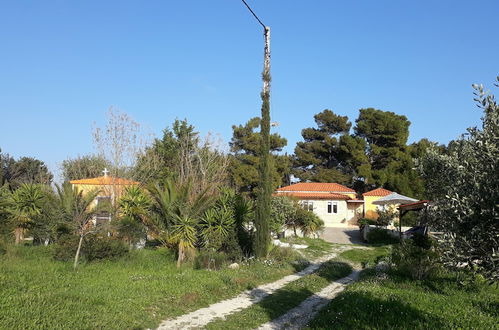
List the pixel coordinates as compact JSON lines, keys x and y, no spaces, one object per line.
{"x":25,"y":205}
{"x":216,"y":225}
{"x":184,"y":234}
{"x":163,"y":198}
{"x":177,"y":214}
{"x":76,"y":207}
{"x":4,"y":208}
{"x":135,"y":207}
{"x":310,"y":223}
{"x":135,"y":203}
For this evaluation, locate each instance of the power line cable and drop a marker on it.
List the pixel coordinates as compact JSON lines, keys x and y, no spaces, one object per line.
{"x":249,"y":8}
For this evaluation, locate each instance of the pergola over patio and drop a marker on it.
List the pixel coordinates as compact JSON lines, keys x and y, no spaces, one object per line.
{"x":405,"y":208}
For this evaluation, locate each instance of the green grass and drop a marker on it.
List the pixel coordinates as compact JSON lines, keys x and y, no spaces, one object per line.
{"x":365,"y":256}
{"x":284,"y":299}
{"x":316,"y":247}
{"x":401,"y":303}
{"x":137,"y":291}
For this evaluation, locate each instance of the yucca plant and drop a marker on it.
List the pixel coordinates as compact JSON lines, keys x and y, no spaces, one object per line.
{"x":135,"y":210}
{"x":310,"y":223}
{"x":184,"y":234}
{"x":25,"y":205}
{"x":177,"y":212}
{"x":216,"y":226}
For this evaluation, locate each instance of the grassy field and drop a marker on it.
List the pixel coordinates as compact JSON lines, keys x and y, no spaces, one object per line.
{"x":395,"y":302}
{"x":284,"y":299}
{"x":364,"y":257}
{"x":316,"y":247}
{"x":137,"y":291}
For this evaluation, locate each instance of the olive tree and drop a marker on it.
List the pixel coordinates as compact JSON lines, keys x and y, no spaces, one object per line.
{"x":464,"y":185}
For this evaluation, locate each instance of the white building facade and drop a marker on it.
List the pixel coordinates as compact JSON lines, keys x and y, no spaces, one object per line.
{"x":334,"y":203}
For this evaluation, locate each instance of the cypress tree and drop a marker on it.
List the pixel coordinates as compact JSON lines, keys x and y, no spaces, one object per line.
{"x":262,"y":239}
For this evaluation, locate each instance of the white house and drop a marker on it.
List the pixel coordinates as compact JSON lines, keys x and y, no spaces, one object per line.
{"x":335,"y":204}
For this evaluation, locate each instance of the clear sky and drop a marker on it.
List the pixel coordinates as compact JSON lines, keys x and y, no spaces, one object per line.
{"x":64,"y":63}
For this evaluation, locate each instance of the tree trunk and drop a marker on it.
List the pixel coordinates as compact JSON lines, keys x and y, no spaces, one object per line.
{"x":77,"y":256}
{"x":181,"y":255}
{"x":19,"y":234}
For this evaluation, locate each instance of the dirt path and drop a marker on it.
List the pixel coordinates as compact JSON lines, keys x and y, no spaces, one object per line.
{"x":203,"y":316}
{"x":299,"y":316}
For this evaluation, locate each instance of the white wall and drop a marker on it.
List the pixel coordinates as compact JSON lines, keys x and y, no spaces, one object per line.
{"x":331,"y":219}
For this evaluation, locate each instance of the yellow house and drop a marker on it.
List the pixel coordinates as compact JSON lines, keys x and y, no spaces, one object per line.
{"x":110,"y":189}
{"x":371,"y":196}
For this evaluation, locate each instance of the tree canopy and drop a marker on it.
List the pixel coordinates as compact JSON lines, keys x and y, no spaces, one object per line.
{"x":24,"y":170}
{"x":245,"y":148}
{"x":81,"y":167}
{"x":464,"y":186}
{"x":374,"y":154}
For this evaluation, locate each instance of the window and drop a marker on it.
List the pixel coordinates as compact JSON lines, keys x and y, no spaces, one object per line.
{"x":332,"y":207}
{"x":308,"y":205}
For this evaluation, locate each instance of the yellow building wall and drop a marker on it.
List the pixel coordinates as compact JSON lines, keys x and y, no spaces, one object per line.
{"x":114,"y":192}
{"x":370,"y":208}
{"x":351,"y":195}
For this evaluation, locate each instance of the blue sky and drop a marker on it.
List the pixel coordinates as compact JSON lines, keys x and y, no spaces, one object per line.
{"x":64,"y":63}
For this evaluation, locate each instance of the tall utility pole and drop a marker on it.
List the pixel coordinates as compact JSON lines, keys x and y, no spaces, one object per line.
{"x":262,"y":239}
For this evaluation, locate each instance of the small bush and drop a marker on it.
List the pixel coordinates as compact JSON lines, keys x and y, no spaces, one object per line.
{"x":232,"y":248}
{"x":210,"y":260}
{"x":130,"y":230}
{"x":3,"y":248}
{"x":415,"y":261}
{"x":422,"y":241}
{"x":93,"y":248}
{"x":282,"y":254}
{"x":367,"y":222}
{"x":96,"y":248}
{"x":380,"y":236}
{"x":65,"y":248}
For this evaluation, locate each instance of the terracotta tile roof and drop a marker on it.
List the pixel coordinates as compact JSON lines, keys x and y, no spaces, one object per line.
{"x":306,"y":195}
{"x":315,"y":186}
{"x":378,"y":192}
{"x":104,"y":180}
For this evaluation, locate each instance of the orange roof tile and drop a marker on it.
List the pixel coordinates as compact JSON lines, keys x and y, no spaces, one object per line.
{"x":104,"y":180}
{"x":301,"y":195}
{"x":316,"y":186}
{"x":378,"y":192}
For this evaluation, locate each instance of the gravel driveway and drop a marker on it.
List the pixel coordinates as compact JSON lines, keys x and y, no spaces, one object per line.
{"x":342,"y":235}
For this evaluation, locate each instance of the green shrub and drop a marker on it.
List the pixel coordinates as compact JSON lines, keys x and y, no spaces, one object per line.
{"x":380,"y":236}
{"x":65,"y":248}
{"x":422,"y":241}
{"x":281,"y":254}
{"x":415,"y":261}
{"x":367,"y":222}
{"x":3,"y":248}
{"x":96,"y":248}
{"x":210,"y":260}
{"x":93,"y":248}
{"x":130,"y":230}
{"x":308,"y":222}
{"x":232,"y":248}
